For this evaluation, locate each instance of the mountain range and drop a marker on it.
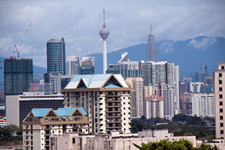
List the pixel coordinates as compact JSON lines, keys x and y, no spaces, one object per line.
{"x":188,"y":54}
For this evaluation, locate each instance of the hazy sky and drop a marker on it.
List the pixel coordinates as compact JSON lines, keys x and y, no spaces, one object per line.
{"x":80,"y":21}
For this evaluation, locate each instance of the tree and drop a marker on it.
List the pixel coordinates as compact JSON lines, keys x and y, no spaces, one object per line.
{"x":176,"y":145}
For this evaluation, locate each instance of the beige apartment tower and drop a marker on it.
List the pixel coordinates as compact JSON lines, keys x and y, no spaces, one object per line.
{"x":219,"y":90}
{"x":137,"y":96}
{"x":105,"y":98}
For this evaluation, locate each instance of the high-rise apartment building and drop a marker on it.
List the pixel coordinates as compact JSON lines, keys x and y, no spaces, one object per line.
{"x":18,"y":75}
{"x":203,"y":104}
{"x":87,"y":65}
{"x":105,"y":98}
{"x":164,"y":78}
{"x":73,"y":65}
{"x":151,"y":54}
{"x":154,"y":107}
{"x":56,"y":56}
{"x":138,"y":98}
{"x":219,"y":91}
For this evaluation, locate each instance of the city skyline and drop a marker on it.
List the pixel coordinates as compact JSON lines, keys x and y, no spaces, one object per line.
{"x":74,"y":24}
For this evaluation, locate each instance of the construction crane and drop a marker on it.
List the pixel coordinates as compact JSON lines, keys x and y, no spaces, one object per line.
{"x":21,"y":43}
{"x":0,"y":65}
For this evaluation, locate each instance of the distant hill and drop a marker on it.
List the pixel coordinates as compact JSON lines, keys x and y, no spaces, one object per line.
{"x":188,"y":54}
{"x":38,"y":73}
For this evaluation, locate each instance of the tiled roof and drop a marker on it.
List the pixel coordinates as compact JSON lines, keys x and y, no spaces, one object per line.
{"x":66,"y":112}
{"x":61,"y":112}
{"x":94,"y":81}
{"x":40,"y":112}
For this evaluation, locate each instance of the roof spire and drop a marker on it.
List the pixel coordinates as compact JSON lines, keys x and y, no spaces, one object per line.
{"x":104,"y":25}
{"x":151,"y":28}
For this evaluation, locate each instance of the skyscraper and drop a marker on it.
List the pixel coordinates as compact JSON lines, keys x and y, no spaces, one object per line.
{"x":18,"y":74}
{"x":151,"y":54}
{"x":219,"y":91}
{"x":56,"y":56}
{"x":87,"y":65}
{"x":163,"y":77}
{"x":73,"y":65}
{"x":104,"y":33}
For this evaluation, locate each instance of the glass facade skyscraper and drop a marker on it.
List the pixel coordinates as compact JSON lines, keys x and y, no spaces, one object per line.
{"x":18,"y":74}
{"x":56,"y":56}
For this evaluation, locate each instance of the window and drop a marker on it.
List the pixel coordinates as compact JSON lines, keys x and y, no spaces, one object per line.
{"x":221,"y":124}
{"x":222,"y":67}
{"x":221,"y":131}
{"x":221,"y":117}
{"x":220,"y":74}
{"x":221,"y":96}
{"x":220,"y":89}
{"x":220,"y":82}
{"x":221,"y":103}
{"x":74,"y":141}
{"x":221,"y":110}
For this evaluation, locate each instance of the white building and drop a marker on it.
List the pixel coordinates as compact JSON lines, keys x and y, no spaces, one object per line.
{"x":196,"y":86}
{"x":105,"y":98}
{"x":203,"y":104}
{"x":114,"y":141}
{"x":154,"y":107}
{"x":18,"y":106}
{"x":73,"y":65}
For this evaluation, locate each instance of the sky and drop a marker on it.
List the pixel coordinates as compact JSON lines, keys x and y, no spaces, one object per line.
{"x":36,"y":21}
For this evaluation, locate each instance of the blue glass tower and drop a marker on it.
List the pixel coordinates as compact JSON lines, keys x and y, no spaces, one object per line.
{"x":56,"y":56}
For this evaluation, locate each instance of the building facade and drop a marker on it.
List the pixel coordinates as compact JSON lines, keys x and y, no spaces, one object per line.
{"x":40,"y":124}
{"x":56,"y":56}
{"x":105,"y":98}
{"x":138,"y":98}
{"x":18,"y":106}
{"x":73,"y":65}
{"x":219,"y":91}
{"x":87,"y":65}
{"x":203,"y":104}
{"x":126,"y":68}
{"x":196,"y":86}
{"x":18,"y":75}
{"x":154,"y":107}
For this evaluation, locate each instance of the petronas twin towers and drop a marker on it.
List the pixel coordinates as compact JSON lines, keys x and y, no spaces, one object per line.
{"x":151,"y":54}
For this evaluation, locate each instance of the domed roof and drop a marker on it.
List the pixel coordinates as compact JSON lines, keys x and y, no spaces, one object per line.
{"x":104,"y":33}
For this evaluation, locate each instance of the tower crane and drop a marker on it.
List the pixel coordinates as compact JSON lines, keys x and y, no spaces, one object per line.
{"x":21,"y":43}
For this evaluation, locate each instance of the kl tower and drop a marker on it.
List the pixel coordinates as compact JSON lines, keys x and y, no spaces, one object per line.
{"x":104,"y":33}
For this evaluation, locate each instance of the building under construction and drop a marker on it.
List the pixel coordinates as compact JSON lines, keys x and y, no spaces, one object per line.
{"x":18,"y":75}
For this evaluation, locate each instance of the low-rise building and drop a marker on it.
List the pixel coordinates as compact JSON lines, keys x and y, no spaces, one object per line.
{"x":18,"y":106}
{"x":40,"y":124}
{"x":113,"y":141}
